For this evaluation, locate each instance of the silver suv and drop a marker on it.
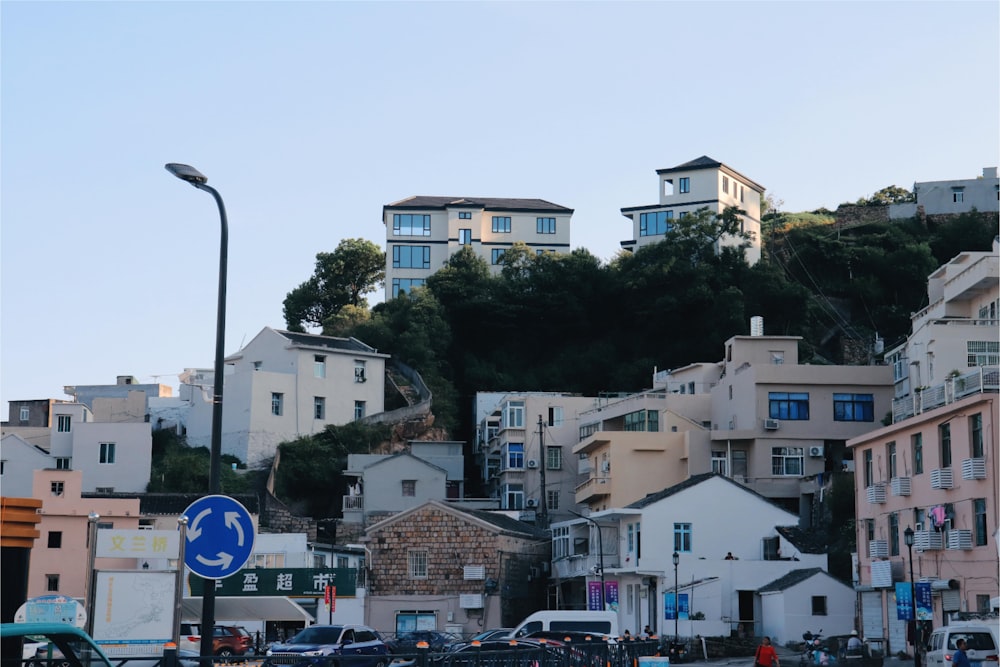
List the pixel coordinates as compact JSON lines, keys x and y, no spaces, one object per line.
{"x":358,"y":644}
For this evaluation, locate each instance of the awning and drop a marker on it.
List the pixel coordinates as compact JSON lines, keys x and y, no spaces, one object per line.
{"x":249,"y":609}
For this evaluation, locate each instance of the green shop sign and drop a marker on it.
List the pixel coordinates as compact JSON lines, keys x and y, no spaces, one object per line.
{"x":287,"y":581}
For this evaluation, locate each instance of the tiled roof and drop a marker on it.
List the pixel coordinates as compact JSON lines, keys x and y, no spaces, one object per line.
{"x":506,"y":523}
{"x":167,"y":504}
{"x":790,"y":579}
{"x":331,"y":342}
{"x":705,"y":162}
{"x":486,"y":203}
{"x":807,"y":541}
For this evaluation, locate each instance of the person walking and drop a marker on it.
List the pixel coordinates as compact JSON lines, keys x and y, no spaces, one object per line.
{"x":766,"y":656}
{"x":959,"y":658}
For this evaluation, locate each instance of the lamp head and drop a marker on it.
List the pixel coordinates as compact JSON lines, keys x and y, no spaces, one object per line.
{"x":676,"y":558}
{"x":186,"y":172}
{"x":908,"y":536}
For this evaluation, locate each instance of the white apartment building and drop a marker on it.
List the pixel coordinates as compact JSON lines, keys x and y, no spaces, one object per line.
{"x":700,"y":183}
{"x":423,"y":232}
{"x":952,"y":197}
{"x":283,"y":385}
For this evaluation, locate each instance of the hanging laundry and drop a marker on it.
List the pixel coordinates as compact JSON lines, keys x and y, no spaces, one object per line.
{"x":937,"y":515}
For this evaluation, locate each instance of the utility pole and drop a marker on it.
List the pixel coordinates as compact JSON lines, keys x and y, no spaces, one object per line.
{"x":544,"y":515}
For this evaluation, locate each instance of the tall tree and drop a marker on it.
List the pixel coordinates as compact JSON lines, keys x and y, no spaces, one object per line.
{"x":341,"y":277}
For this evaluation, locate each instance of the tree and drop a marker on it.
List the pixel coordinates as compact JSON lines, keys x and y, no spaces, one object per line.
{"x":889,"y":195}
{"x":341,"y":277}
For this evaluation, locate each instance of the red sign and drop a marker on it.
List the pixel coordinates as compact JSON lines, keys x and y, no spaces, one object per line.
{"x":331,"y":597}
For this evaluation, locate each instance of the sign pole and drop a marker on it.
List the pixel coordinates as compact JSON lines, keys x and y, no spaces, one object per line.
{"x":182,"y":522}
{"x":92,"y":519}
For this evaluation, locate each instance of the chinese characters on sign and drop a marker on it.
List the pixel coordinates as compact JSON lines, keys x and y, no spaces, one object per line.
{"x":289,"y":581}
{"x":121,"y":543}
{"x":904,"y":601}
{"x":671,"y":604}
{"x":594,"y":595}
{"x":611,"y":595}
{"x":925,"y":609}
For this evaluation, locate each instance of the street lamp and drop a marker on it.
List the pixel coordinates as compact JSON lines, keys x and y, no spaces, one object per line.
{"x":908,"y":539}
{"x":677,"y":595}
{"x":600,"y":548}
{"x":197,"y":179}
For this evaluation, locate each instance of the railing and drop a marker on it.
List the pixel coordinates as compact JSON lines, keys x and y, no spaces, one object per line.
{"x":594,"y":481}
{"x":355,"y":503}
{"x":977,"y":381}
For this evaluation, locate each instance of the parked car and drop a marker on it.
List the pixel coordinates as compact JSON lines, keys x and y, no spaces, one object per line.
{"x":493,"y":633}
{"x":71,"y":644}
{"x":227,"y":640}
{"x":316,"y":644}
{"x":522,"y":652}
{"x":406,"y":642}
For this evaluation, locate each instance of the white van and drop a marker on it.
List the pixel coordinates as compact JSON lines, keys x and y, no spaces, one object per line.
{"x":982,"y":640}
{"x":570,"y":620}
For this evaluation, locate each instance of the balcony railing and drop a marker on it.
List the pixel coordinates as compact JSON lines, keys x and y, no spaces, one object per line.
{"x":354,"y":503}
{"x":978,"y":380}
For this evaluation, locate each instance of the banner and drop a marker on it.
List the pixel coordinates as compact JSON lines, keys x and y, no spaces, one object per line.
{"x":925,"y":608}
{"x":669,"y":606}
{"x":611,"y":595}
{"x":288,"y":581}
{"x":682,"y":607}
{"x":904,"y":601}
{"x":594,"y":596}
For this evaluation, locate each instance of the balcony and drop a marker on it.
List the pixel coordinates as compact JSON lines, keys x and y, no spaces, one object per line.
{"x":876,"y":494}
{"x":941,"y":478}
{"x":900,"y":486}
{"x":928,"y":540}
{"x":974,"y":468}
{"x":977,"y":381}
{"x":593,"y":489}
{"x":354,"y":508}
{"x":959,"y":539}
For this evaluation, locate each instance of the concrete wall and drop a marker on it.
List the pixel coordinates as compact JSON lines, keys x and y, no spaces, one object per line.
{"x":20,"y":458}
{"x":133,"y":455}
{"x":785,"y":615}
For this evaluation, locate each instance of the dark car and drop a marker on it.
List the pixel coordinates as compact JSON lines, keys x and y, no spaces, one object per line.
{"x":406,"y":642}
{"x":360,"y":646}
{"x":519,"y":653}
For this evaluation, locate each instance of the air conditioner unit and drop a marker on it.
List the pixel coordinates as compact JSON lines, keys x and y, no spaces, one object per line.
{"x":605,"y":466}
{"x":771,"y":424}
{"x":816,"y":451}
{"x":532,"y":463}
{"x":531,"y":502}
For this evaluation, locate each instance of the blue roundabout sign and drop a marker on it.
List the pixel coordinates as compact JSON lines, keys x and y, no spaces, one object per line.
{"x":220,"y":537}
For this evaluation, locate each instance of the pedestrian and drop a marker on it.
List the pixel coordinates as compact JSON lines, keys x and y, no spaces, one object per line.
{"x":647,"y":632}
{"x":766,"y":656}
{"x":959,"y":658}
{"x":854,"y":644}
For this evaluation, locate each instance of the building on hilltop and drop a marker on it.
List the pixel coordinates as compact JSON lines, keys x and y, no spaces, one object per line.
{"x":423,"y":232}
{"x":700,"y":183}
{"x":952,"y":197}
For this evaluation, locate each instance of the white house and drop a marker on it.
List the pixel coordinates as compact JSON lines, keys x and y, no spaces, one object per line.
{"x":283,"y":385}
{"x":18,"y":458}
{"x":704,"y":520}
{"x":954,"y":196}
{"x":806,"y":600}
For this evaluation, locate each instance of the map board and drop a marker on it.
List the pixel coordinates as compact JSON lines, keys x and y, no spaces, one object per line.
{"x":133,"y":611}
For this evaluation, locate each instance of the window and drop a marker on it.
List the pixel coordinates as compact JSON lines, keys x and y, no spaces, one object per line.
{"x":52,"y":582}
{"x":545,"y":225}
{"x":725,"y":184}
{"x":465,"y":237}
{"x":418,"y":563}
{"x":465,"y":215}
{"x":917,"y":442}
{"x":682,"y":537}
{"x":630,"y":538}
{"x":788,"y":406}
{"x":980,"y":353}
{"x":513,"y":496}
{"x":890,"y":454}
{"x":553,"y":458}
{"x":976,"y":435}
{"x":319,"y":407}
{"x":983,"y":603}
{"x":359,"y":410}
{"x":958,"y":195}
{"x":869,"y":530}
{"x":979,"y":521}
{"x":105,"y":489}
{"x":819,"y":605}
{"x":741,"y":194}
{"x":64,"y":463}
{"x":405,"y":285}
{"x":719,"y":462}
{"x":107,"y":452}
{"x":555,"y":416}
{"x":501,"y":224}
{"x":56,"y":488}
{"x":63,"y":423}
{"x":359,"y":371}
{"x":513,"y":455}
{"x":853,"y":407}
{"x":411,"y":257}
{"x":893,"y":534}
{"x":560,"y":543}
{"x":682,"y":215}
{"x":552,"y":499}
{"x":409,"y":488}
{"x":739,"y":460}
{"x":267,"y":560}
{"x":496,"y":256}
{"x":684,"y":184}
{"x":778,"y":358}
{"x":643,"y":420}
{"x":407,"y":224}
{"x":25,"y":413}
{"x":786,"y":460}
{"x":277,"y":404}
{"x":319,"y":366}
{"x":257,"y":365}
{"x":55,"y":539}
{"x":513,"y":414}
{"x":944,"y":435}
{"x":655,"y":224}
{"x":869,"y":469}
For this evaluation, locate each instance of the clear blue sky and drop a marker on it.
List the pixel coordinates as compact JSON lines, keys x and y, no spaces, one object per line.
{"x":309,"y":117}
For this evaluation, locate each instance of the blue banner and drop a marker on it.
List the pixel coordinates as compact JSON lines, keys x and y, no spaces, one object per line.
{"x":669,"y":606}
{"x":904,"y":601}
{"x":683,"y":607}
{"x":611,"y":595}
{"x":925,"y":608}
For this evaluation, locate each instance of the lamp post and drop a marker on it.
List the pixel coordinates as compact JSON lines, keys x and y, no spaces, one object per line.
{"x":908,"y":539}
{"x":677,"y":595}
{"x":197,"y":179}
{"x":600,"y":555}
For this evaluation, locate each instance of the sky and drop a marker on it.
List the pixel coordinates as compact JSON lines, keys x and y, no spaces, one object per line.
{"x":308,"y":117}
